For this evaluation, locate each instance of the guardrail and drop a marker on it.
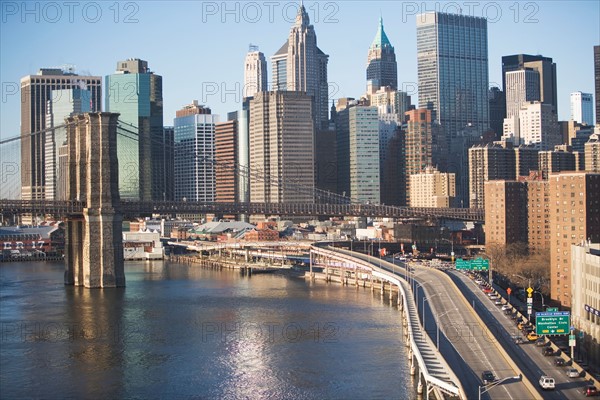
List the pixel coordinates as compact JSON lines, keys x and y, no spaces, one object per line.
{"x":455,"y":390}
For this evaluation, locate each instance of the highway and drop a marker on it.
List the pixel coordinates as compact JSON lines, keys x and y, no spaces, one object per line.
{"x":464,"y":342}
{"x":528,"y":357}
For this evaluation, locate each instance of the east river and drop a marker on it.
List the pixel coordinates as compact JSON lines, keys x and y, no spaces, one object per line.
{"x":178,"y":332}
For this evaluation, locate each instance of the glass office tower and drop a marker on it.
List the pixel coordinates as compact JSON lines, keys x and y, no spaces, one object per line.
{"x":135,"y":93}
{"x":452,"y":62}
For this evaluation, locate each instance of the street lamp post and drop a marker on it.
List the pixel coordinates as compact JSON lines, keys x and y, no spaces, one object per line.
{"x":424,"y":300}
{"x":542,"y":296}
{"x":413,"y":272}
{"x":528,"y":294}
{"x":379,"y":251}
{"x":438,"y":326}
{"x":451,"y":241}
{"x":394,"y":263}
{"x":486,"y":388}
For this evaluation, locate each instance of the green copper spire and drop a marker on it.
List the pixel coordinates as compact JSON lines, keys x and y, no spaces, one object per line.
{"x":381,"y":40}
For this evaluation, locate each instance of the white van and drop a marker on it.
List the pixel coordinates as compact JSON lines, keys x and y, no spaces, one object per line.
{"x":547,"y":382}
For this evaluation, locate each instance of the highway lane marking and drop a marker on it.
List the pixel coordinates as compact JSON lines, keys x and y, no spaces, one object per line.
{"x":463,"y":279}
{"x":482,"y":355}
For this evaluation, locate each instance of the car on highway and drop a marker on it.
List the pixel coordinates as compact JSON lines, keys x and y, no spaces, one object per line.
{"x":506,"y":307}
{"x":547,"y":382}
{"x":487,"y":290}
{"x":540,"y":342}
{"x":548,"y":351}
{"x":590,"y":390}
{"x":572,"y":373}
{"x":518,"y":339}
{"x":498,"y":301}
{"x":527,"y":326}
{"x":488,"y":377}
{"x":559,"y":361}
{"x":532,"y":336}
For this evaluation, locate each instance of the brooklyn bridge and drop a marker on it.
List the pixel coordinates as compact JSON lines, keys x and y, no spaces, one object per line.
{"x":94,"y":212}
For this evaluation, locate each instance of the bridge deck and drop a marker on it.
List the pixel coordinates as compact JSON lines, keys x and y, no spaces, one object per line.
{"x":435,"y":369}
{"x":137,"y":208}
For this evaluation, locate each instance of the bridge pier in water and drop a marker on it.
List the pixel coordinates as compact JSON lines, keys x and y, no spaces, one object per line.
{"x":94,"y":240}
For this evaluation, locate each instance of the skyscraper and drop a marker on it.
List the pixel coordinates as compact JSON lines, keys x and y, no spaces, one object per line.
{"x":597,"y":81}
{"x":357,"y":131}
{"x":135,"y":92}
{"x":299,"y":65}
{"x":452,"y":63}
{"x":538,"y":126}
{"x":582,"y":108}
{"x":382,"y":69}
{"x":255,"y":72}
{"x":226,"y":158}
{"x":544,"y":66}
{"x":36,"y":90}
{"x":521,"y":86}
{"x":64,"y":103}
{"x":391,"y":107}
{"x":243,"y":153}
{"x":422,"y":138}
{"x":169,"y":162}
{"x":486,"y":163}
{"x":195,"y":153}
{"x":393,"y":177}
{"x":497,"y":104}
{"x":281,"y":147}
{"x":458,"y":162}
{"x":364,"y":154}
{"x":390,"y":101}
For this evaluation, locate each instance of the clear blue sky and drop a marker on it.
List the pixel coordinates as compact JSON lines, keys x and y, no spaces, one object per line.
{"x":199,"y":47}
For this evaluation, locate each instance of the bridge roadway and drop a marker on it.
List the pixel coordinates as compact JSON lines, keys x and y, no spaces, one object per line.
{"x":436,"y":372}
{"x":468,"y":345}
{"x":528,"y":356}
{"x":137,"y":208}
{"x":465,"y":342}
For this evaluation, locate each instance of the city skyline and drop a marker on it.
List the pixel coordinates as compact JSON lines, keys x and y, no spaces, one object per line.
{"x":219,"y":83}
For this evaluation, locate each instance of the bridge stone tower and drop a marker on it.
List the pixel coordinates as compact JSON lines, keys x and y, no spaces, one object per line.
{"x":94,"y":243}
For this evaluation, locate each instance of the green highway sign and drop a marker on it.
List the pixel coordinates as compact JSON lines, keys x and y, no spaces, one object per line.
{"x":462,"y":264}
{"x":478,"y":264}
{"x":550,"y":309}
{"x":552,"y":323}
